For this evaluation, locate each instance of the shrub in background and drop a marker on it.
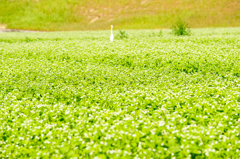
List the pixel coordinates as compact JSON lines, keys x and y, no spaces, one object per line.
{"x":122,"y":35}
{"x":181,"y":28}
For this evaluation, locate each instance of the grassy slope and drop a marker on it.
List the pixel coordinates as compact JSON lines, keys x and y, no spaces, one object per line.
{"x":132,"y":14}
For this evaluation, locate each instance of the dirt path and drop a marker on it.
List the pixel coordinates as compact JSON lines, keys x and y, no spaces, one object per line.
{"x":16,"y":30}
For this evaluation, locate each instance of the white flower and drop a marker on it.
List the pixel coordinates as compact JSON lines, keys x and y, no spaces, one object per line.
{"x":67,"y":112}
{"x":21,"y":138}
{"x":161,"y":123}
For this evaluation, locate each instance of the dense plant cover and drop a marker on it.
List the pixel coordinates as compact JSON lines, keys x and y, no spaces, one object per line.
{"x":66,"y":95}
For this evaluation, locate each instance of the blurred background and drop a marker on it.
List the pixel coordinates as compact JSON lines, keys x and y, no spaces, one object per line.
{"x":67,"y":15}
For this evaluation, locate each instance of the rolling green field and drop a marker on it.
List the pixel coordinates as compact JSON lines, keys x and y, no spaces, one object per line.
{"x":152,"y":95}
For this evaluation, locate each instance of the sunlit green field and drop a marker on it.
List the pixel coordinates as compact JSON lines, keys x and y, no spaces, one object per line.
{"x":152,"y":95}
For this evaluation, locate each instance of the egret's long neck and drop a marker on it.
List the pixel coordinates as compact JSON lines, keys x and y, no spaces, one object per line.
{"x":111,"y":30}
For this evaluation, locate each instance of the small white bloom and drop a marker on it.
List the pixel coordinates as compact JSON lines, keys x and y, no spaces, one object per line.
{"x":161,"y":123}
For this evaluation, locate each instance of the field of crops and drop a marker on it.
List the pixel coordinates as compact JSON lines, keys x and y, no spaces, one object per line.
{"x":152,"y":95}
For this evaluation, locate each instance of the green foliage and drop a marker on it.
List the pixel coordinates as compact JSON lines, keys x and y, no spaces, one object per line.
{"x":76,"y":95}
{"x":181,"y":28}
{"x":159,"y":34}
{"x":122,"y":35}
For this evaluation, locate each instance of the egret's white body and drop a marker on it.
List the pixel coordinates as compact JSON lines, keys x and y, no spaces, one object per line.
{"x":111,"y":37}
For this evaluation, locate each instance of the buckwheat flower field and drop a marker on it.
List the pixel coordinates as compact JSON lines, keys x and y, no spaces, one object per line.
{"x":76,"y":95}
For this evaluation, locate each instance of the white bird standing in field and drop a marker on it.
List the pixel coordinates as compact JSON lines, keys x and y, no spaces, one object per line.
{"x":111,"y":37}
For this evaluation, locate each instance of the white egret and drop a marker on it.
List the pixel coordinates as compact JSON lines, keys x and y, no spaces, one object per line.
{"x":111,"y":37}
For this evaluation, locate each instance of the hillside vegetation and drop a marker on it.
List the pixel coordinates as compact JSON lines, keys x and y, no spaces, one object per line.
{"x":53,"y":15}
